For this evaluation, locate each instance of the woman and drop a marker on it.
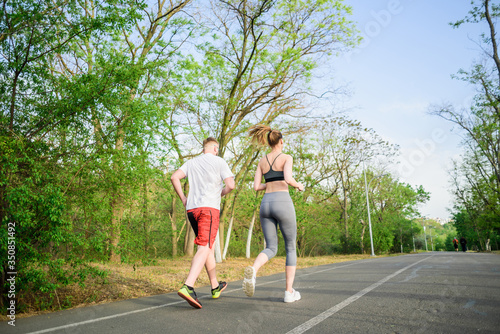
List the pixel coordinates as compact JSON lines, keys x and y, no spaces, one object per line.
{"x":276,"y":208}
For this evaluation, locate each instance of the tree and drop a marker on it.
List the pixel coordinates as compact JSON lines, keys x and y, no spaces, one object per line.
{"x":137,"y":59}
{"x":338,"y":148}
{"x":38,"y":109}
{"x":257,"y":64}
{"x":476,"y":180}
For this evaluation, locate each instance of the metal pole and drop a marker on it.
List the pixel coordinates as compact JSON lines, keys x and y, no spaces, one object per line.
{"x":368,"y":208}
{"x":432,"y":244}
{"x":401,"y":237}
{"x":425,"y":238}
{"x":413,"y":238}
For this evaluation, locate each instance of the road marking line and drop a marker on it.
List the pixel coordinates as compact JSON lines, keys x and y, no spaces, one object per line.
{"x":303,"y":275}
{"x":86,"y":322}
{"x":328,"y":313}
{"x":103,"y":318}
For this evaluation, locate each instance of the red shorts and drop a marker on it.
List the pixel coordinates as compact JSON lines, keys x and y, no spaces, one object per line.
{"x":205,"y":223}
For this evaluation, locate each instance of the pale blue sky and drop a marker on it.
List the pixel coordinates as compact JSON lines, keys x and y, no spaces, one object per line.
{"x":403,"y":66}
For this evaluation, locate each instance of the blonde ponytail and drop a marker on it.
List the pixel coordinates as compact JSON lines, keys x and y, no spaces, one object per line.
{"x":264,"y":135}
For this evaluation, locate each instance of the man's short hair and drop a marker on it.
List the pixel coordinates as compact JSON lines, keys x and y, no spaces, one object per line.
{"x":210,"y":140}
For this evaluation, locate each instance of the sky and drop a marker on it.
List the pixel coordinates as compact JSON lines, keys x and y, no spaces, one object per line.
{"x":404,"y":65}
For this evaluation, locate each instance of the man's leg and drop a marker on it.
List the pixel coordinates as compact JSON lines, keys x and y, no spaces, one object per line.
{"x":203,"y":222}
{"x":187,"y":291}
{"x":197,"y":264}
{"x":210,"y":267}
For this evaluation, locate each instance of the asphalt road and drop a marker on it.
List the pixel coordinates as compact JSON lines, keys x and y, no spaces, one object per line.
{"x":435,"y":292}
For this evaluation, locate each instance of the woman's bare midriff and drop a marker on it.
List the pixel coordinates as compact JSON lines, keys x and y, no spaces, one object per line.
{"x":275,"y":186}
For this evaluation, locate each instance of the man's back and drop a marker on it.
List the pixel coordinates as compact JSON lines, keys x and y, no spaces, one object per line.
{"x":205,"y":174}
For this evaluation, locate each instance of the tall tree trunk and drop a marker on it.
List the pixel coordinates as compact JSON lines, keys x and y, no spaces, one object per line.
{"x":481,"y":243}
{"x":117,"y":215}
{"x":401,"y":238}
{"x":4,"y":207}
{"x":230,"y":225}
{"x":117,"y":200}
{"x":145,"y":216}
{"x":362,"y":236}
{"x":231,"y":197}
{"x":491,"y":24}
{"x":301,"y":241}
{"x":13,"y":98}
{"x":222,"y":218}
{"x":346,"y":227}
{"x":218,"y":255}
{"x":229,"y":231}
{"x":228,"y":236}
{"x":173,"y":223}
{"x":344,"y":212}
{"x":250,"y":230}
{"x":189,"y":239}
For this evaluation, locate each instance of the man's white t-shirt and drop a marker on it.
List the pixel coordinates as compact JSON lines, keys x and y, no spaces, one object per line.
{"x":205,"y":174}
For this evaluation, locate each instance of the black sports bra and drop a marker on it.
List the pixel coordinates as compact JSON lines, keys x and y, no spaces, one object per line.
{"x":273,"y":175}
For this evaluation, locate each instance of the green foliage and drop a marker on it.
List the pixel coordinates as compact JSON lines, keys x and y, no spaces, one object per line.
{"x":476,"y":178}
{"x":100,"y":105}
{"x":35,"y":206}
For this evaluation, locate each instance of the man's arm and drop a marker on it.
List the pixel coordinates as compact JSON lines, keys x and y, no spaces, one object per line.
{"x":229,"y":182}
{"x":176,"y":178}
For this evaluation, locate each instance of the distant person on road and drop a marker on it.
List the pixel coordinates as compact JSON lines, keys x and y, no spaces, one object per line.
{"x":276,"y":209}
{"x":463,"y":243}
{"x":205,"y":174}
{"x":455,"y":244}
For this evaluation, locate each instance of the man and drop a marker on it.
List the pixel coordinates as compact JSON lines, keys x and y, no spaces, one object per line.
{"x":463,"y":243}
{"x":455,"y":244}
{"x":205,"y":174}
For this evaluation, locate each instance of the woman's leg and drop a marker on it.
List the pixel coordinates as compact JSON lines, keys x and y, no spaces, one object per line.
{"x":270,"y":229}
{"x":260,"y":261}
{"x":290,"y":277}
{"x":288,"y":227}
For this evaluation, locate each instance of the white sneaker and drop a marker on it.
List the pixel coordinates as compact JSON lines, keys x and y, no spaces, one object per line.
{"x":249,"y":281}
{"x":292,"y":297}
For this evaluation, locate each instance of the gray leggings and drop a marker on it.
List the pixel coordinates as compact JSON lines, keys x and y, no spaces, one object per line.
{"x":277,"y":209}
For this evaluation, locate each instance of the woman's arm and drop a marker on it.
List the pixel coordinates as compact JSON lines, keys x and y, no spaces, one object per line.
{"x":257,"y":181}
{"x":287,"y":171}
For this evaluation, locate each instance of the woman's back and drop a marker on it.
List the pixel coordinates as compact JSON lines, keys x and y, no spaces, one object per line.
{"x":277,"y":160}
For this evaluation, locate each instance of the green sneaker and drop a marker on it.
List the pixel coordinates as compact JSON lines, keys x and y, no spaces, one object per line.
{"x":217,"y":291}
{"x":190,"y":296}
